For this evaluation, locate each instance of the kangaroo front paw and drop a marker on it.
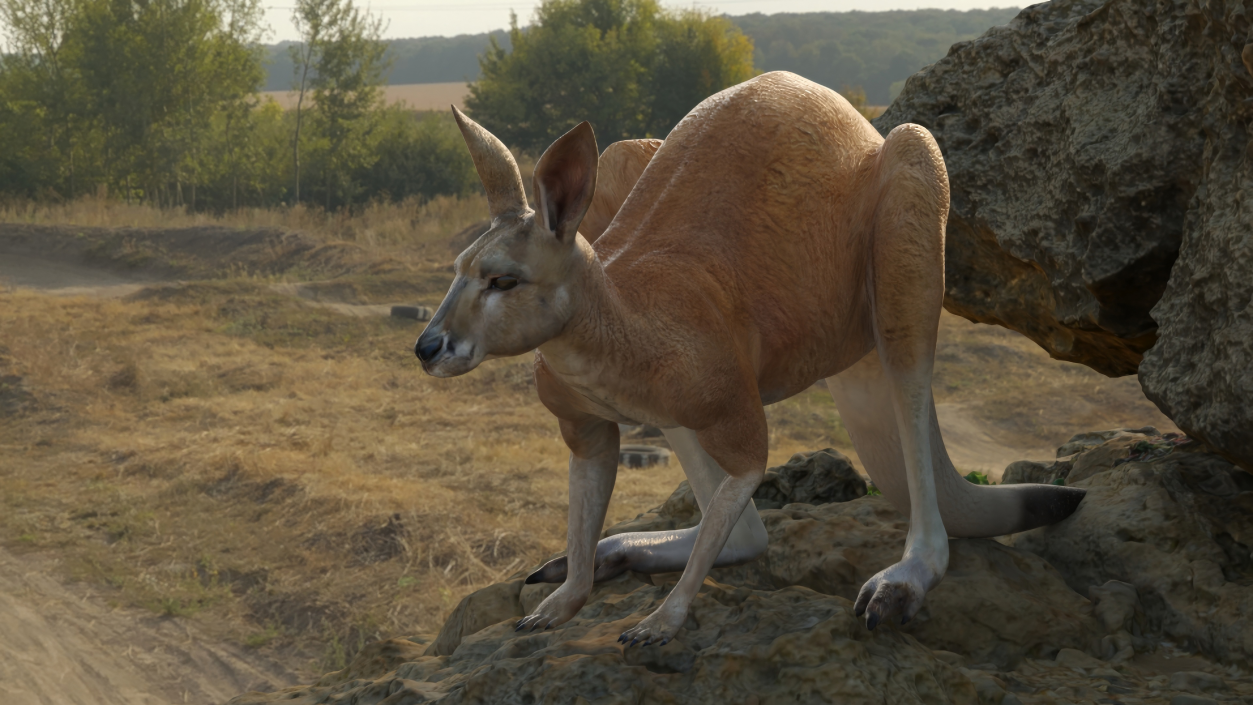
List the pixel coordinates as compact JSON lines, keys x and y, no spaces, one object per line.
{"x":558,"y":608}
{"x":659,"y":627}
{"x":896,"y":591}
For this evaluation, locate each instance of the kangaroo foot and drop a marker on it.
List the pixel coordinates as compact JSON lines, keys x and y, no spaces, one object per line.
{"x":646,"y":552}
{"x":658,"y":627}
{"x":896,"y":591}
{"x":656,"y":552}
{"x":610,"y":565}
{"x":557,"y":608}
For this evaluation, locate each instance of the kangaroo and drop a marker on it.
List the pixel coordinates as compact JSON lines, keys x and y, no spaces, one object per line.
{"x":773,"y":239}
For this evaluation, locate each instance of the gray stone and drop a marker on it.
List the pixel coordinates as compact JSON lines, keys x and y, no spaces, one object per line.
{"x":1177,"y":530}
{"x":820,"y":477}
{"x":738,"y":645}
{"x":1036,"y":471}
{"x":1096,"y":155}
{"x":1091,"y":439}
{"x":1073,"y":658}
{"x":1196,"y":682}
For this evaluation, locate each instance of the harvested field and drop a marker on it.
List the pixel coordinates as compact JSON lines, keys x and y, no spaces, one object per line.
{"x":417,"y":96}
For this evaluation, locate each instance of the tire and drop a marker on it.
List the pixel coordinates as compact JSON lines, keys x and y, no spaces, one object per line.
{"x":413,"y":313}
{"x":637,"y":456}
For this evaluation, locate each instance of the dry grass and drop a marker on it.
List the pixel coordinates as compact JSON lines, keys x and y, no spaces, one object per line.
{"x":413,"y":231}
{"x":285,"y":470}
{"x":318,"y":492}
{"x":291,"y":477}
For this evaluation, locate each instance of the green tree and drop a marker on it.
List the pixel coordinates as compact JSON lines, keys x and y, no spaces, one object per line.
{"x":697,"y":56}
{"x":417,"y":155}
{"x":42,"y":93}
{"x":628,"y":66}
{"x":342,"y":60}
{"x":155,"y":75}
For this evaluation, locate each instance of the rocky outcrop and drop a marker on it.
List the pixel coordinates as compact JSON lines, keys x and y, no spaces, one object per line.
{"x":739,"y":645}
{"x":1091,"y":147}
{"x":1174,"y":523}
{"x":1157,"y":550}
{"x":820,"y":477}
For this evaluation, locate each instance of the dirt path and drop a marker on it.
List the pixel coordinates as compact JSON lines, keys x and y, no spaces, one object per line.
{"x":971,"y":447}
{"x":63,"y":277}
{"x":64,"y":645}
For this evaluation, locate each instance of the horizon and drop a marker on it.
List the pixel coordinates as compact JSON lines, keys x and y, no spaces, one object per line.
{"x":441,"y":18}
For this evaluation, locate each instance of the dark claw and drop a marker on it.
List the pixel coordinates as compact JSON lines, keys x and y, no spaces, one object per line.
{"x":634,"y":640}
{"x":533,"y":626}
{"x":905,"y":620}
{"x":648,"y":641}
{"x":548,"y":626}
{"x":665,"y":641}
{"x":859,"y":610}
{"x":622,"y":638}
{"x":872,"y":621}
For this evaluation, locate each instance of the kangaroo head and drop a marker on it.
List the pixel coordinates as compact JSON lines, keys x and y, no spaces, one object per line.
{"x":513,"y":288}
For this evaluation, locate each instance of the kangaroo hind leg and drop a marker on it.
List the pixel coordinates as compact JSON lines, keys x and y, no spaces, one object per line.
{"x":668,"y":551}
{"x":906,"y":281}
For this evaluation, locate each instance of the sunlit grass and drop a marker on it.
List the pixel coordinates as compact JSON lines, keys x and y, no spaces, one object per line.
{"x":225,"y":452}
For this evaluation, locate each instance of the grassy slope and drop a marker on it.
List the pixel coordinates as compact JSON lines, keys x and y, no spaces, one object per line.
{"x":288,"y":475}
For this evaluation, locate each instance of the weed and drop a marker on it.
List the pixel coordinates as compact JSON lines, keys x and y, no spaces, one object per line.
{"x":262,"y":638}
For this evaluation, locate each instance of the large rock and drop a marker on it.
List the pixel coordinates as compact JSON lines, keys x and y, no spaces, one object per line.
{"x":820,"y":477}
{"x":1170,"y":521}
{"x":1159,"y":547}
{"x":995,"y":605}
{"x":1092,"y":146}
{"x":739,"y":645}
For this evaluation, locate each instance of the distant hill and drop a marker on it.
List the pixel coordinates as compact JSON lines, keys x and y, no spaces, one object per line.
{"x":421,"y":60}
{"x":869,"y":49}
{"x":873,"y":50}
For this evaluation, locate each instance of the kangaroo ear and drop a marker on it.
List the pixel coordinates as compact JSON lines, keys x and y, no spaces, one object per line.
{"x":565,"y":181}
{"x":496,"y":167}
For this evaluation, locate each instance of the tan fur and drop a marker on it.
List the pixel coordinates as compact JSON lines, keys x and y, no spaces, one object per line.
{"x":620,"y":167}
{"x":772,"y":240}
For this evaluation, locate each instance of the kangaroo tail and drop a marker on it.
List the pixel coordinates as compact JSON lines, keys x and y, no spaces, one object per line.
{"x":864,"y":399}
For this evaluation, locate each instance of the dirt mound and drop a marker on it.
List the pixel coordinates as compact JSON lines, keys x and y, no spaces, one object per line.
{"x":103,"y":256}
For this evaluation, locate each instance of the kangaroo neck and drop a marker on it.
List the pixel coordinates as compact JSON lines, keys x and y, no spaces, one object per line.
{"x":597,"y":330}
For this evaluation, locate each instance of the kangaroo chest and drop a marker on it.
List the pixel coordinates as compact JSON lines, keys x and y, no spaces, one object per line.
{"x":577,"y":386}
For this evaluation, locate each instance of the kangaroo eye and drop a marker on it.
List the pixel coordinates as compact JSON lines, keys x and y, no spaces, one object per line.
{"x":504,"y":283}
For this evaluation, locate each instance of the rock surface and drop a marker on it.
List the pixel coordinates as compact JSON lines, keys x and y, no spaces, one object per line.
{"x":820,"y":477}
{"x":792,"y":645}
{"x":1155,"y":564}
{"x":1092,"y":146}
{"x":1178,"y":528}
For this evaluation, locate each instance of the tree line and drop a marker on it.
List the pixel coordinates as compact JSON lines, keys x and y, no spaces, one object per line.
{"x":873,"y":50}
{"x":158,"y":101}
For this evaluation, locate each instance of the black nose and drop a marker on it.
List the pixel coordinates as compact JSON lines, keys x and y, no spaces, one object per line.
{"x":426,"y":350}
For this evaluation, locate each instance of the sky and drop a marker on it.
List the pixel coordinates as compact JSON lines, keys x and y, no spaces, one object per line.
{"x":446,"y":18}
